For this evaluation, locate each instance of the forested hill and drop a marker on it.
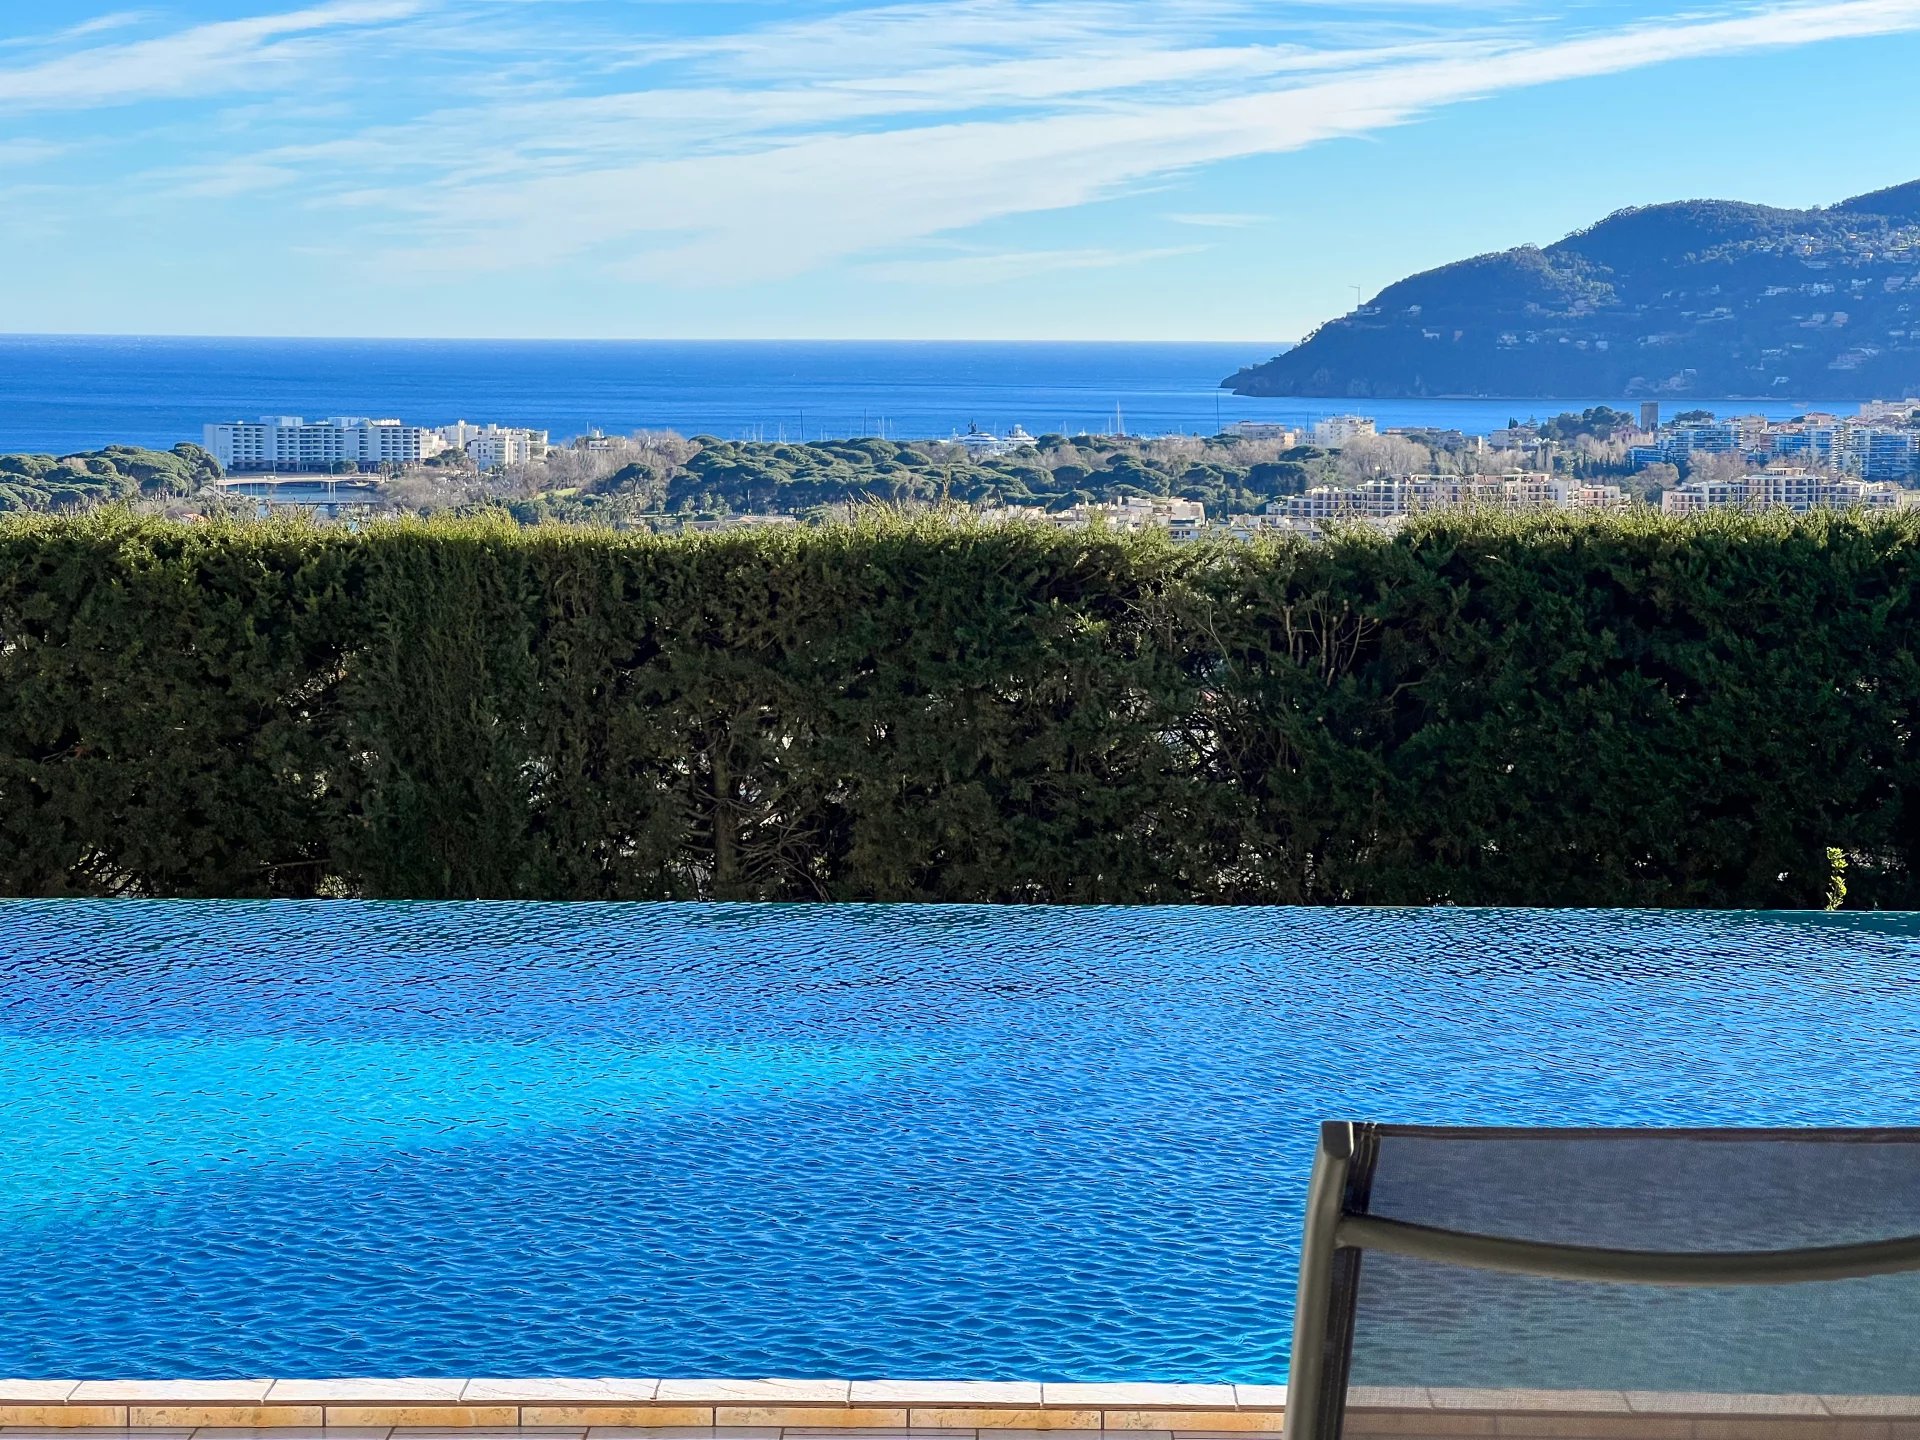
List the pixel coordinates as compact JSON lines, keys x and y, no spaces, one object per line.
{"x":666,"y":475}
{"x":119,"y":472}
{"x":1699,"y":298}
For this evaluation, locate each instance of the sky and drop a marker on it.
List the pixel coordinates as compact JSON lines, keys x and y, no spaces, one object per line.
{"x":979,"y":169}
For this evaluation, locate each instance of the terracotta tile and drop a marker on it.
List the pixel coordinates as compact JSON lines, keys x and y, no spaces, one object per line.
{"x":1687,"y":1402}
{"x":1237,"y":1421}
{"x":35,"y":1392}
{"x":1852,"y":1429}
{"x":752,"y":1392}
{"x":63,"y":1417}
{"x":838,"y":1417}
{"x":1769,"y":1427}
{"x":429,"y":1416}
{"x":170,"y":1392}
{"x":611,"y":1392}
{"x":1120,"y":1396}
{"x":252,"y":1417}
{"x":291,"y":1432}
{"x":1545,"y":1425}
{"x":1389,"y":1397}
{"x":1413,"y":1421}
{"x":1565,"y":1402}
{"x":1879,"y":1407}
{"x":365,"y":1391}
{"x":963,"y":1417}
{"x":1557,"y":1425}
{"x":1260,"y":1397}
{"x":636,"y":1416}
{"x":947,"y":1392}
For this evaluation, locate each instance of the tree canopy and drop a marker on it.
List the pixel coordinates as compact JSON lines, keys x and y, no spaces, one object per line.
{"x":97,"y":477}
{"x":710,"y":476}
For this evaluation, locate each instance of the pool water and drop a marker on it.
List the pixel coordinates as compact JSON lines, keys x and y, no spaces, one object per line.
{"x":243,"y":1139}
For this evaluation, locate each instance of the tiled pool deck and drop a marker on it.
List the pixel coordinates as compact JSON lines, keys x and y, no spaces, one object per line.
{"x":410,"y":1409}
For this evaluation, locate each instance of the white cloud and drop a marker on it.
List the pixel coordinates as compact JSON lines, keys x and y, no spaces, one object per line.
{"x":1015,"y":264}
{"x":938,"y":32}
{"x":779,"y":150}
{"x":98,"y":25}
{"x":220,"y":55}
{"x":1217,"y":219}
{"x":782,"y":206}
{"x":30,"y":152}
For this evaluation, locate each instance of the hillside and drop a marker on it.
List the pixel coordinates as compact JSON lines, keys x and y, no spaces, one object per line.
{"x":1708,"y":298}
{"x":713,"y":476}
{"x":119,"y":472}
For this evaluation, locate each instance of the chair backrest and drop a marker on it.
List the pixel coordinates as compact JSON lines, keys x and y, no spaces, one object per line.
{"x":1735,"y":1266}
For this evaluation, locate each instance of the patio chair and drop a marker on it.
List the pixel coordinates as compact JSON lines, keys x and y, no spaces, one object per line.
{"x":1751,"y":1272}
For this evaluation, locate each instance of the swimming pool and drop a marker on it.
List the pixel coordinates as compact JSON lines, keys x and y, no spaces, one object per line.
{"x":244,"y":1139}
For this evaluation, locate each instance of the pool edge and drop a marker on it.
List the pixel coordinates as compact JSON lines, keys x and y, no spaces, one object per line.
{"x":584,"y":1404}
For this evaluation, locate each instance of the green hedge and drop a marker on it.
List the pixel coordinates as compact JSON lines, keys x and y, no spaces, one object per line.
{"x":1628,"y":711}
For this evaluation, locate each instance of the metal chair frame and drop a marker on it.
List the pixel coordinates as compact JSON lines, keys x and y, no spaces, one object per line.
{"x":1339,"y":1230}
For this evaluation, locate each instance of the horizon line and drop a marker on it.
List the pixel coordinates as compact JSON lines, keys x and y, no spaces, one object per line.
{"x":633,"y":339}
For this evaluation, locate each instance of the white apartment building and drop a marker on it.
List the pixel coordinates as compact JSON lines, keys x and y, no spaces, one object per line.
{"x":1320,"y":502}
{"x":1264,"y":430}
{"x":1181,"y":519}
{"x":1698,"y":496}
{"x":291,"y":442}
{"x":1798,"y":490}
{"x":1336,"y":430}
{"x":1394,"y":499}
{"x":1596,"y":497}
{"x":494,"y":447}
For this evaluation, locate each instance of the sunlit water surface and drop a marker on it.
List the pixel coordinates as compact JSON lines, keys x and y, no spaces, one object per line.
{"x":345,"y":1139}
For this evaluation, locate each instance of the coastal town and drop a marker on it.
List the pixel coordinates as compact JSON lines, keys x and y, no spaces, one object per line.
{"x":959,"y":720}
{"x":1350,"y":470}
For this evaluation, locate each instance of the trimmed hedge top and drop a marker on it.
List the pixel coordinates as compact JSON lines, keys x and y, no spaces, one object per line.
{"x":1615,"y":711}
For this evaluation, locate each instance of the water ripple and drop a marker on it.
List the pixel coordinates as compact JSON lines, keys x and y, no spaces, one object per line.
{"x":856,"y":1141}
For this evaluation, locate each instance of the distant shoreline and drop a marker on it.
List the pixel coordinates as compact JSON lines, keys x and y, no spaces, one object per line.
{"x":68,"y":396}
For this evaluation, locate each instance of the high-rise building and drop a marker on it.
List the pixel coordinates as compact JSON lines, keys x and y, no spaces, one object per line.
{"x":291,"y":442}
{"x":1336,"y":430}
{"x":1799,"y":490}
{"x":494,"y":447}
{"x":1886,"y":454}
{"x":1649,"y":415}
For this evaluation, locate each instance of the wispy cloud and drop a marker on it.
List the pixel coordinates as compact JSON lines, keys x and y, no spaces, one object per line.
{"x":776,"y":150}
{"x":218,"y":56}
{"x":778,"y":205}
{"x":1016,"y":264}
{"x":98,"y":25}
{"x":1217,"y":219}
{"x":30,"y":152}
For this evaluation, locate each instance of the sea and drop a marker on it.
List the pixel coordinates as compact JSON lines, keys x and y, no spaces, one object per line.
{"x":63,"y":393}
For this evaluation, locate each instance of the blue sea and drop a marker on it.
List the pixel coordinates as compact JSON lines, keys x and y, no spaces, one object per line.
{"x":860,"y":1141}
{"x":60,"y":394}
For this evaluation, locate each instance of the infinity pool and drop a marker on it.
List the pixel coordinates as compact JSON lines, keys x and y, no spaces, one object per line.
{"x":360,"y":1139}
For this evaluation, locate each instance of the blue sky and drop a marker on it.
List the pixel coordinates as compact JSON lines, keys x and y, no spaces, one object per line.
{"x":1126,"y":169}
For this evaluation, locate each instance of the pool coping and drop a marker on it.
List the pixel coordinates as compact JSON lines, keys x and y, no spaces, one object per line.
{"x":915,"y":1405}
